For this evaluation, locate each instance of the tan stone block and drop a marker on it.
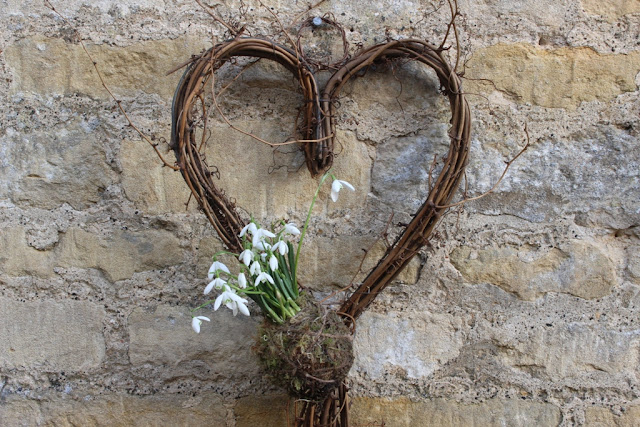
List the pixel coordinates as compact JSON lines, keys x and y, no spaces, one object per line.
{"x":120,"y":255}
{"x":416,"y":343}
{"x":557,"y":351}
{"x":603,"y":417}
{"x":164,"y":336}
{"x":47,"y":169}
{"x":611,"y":9}
{"x":58,"y":335}
{"x":579,"y":269}
{"x":449,"y":413}
{"x":115,"y":411}
{"x":265,"y":182}
{"x":50,"y":66}
{"x":264,"y":411}
{"x":17,"y":258}
{"x":557,"y":78}
{"x":152,"y":188}
{"x":326,"y":263}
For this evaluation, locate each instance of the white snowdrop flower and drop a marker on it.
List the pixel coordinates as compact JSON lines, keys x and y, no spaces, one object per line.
{"x":215,"y":267}
{"x":217,"y":283}
{"x":337,"y":186}
{"x":197,"y":321}
{"x":246,"y":257}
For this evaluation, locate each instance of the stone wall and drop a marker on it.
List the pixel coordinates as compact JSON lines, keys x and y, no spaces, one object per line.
{"x":525,"y":311}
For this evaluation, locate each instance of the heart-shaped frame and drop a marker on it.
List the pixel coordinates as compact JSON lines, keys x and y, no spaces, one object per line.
{"x":318,"y":131}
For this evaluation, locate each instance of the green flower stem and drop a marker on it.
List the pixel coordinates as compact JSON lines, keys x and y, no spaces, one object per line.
{"x":306,"y":225}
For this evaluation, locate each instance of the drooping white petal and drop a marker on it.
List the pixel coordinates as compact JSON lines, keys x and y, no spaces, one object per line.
{"x":250,"y":228}
{"x":197,"y":321}
{"x":209,"y":287}
{"x":291,"y":228}
{"x":281,"y":247}
{"x":262,"y":277}
{"x":273,"y":263}
{"x":246,"y":256}
{"x":242,"y":281}
{"x":255,"y":268}
{"x":243,"y":309}
{"x":215,"y":267}
{"x":336,"y":186}
{"x":216,"y":305}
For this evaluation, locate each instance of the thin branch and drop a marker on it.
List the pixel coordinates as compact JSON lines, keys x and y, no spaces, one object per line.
{"x":104,"y":85}
{"x":504,"y":172}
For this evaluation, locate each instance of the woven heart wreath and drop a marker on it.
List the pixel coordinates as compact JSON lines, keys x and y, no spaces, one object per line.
{"x":318,"y":132}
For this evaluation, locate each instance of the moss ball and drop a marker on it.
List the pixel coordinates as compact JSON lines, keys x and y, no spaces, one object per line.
{"x":310,"y":354}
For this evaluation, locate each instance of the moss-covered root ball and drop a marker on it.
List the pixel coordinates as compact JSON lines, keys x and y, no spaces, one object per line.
{"x":309,"y":355}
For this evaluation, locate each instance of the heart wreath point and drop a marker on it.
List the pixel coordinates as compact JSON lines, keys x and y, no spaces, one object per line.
{"x":318,"y":136}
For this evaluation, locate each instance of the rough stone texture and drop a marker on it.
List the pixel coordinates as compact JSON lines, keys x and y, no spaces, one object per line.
{"x":613,"y":9}
{"x":524,"y":310}
{"x":266,"y":411}
{"x":114,"y":410}
{"x":602,"y":417}
{"x":119,"y":255}
{"x":152,"y":189}
{"x":558,"y":78}
{"x":54,"y":66}
{"x":578,"y":269}
{"x":447,"y":413}
{"x":223,"y":344}
{"x":45,"y":169}
{"x":414,"y":343}
{"x":34,"y":335}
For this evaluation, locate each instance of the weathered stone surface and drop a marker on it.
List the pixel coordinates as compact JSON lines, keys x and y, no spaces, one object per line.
{"x":47,"y":169}
{"x":449,"y":413}
{"x":152,"y":188}
{"x":164,"y":336}
{"x":611,"y":9}
{"x":418,"y":343}
{"x":119,"y":256}
{"x":64,"y":335}
{"x":264,"y":411}
{"x":634,"y":262}
{"x":559,"y":78}
{"x":277,"y":183}
{"x":603,"y":417}
{"x":579,"y":269}
{"x":53,"y":66}
{"x":114,"y":410}
{"x":17,"y":258}
{"x":556,"y":178}
{"x":555,"y":351}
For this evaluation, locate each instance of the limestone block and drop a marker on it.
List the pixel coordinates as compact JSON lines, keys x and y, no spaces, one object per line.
{"x":47,"y":169}
{"x":53,"y":66}
{"x":164,"y":336}
{"x":326,"y":263}
{"x":53,"y":335}
{"x":449,"y":413}
{"x":558,"y":78}
{"x":114,"y":410}
{"x":557,"y":351}
{"x":17,"y":258}
{"x":612,"y":10}
{"x":152,"y":188}
{"x":417,"y":343}
{"x":579,"y":269}
{"x":264,"y":411}
{"x":120,"y":255}
{"x":264,"y":181}
{"x":603,"y":417}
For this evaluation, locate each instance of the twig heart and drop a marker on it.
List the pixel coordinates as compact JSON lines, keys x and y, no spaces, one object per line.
{"x":318,"y":137}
